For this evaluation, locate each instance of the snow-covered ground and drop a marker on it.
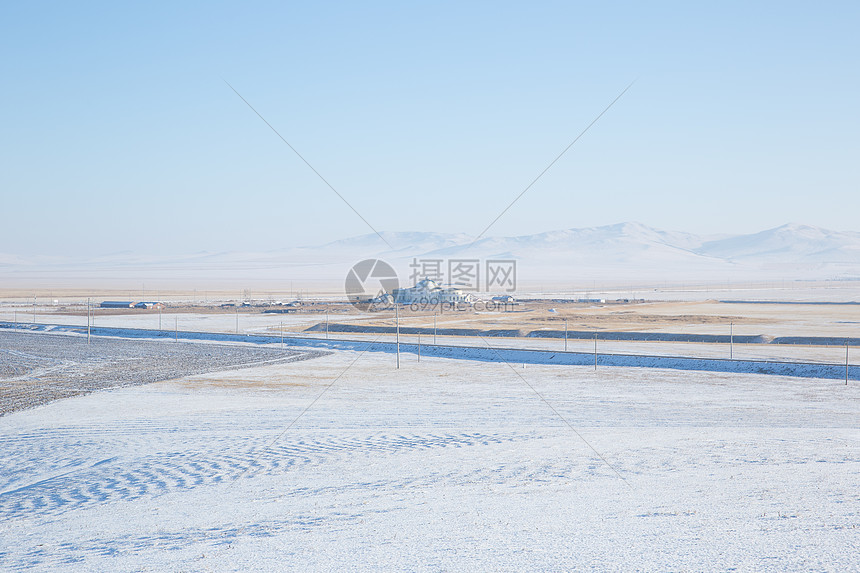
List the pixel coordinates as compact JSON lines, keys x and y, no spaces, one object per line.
{"x":441,"y":465}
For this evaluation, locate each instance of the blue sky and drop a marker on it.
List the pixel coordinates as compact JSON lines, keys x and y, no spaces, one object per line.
{"x":118,"y":132}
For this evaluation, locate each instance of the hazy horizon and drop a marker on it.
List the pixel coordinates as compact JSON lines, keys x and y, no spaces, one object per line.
{"x":463,"y":238}
{"x":622,"y":254}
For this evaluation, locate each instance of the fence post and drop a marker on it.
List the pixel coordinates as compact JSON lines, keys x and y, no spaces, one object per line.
{"x":731,"y":341}
{"x":565,"y":335}
{"x":397,"y":335}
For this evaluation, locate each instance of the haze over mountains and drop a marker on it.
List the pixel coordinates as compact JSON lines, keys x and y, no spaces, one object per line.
{"x":620,"y":252}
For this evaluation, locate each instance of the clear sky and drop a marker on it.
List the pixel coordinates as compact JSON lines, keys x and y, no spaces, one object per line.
{"x":119,"y":133}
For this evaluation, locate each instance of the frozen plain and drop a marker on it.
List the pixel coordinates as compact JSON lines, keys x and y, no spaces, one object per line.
{"x":442,"y":465}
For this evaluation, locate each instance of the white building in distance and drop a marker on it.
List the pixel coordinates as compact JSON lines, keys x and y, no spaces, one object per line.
{"x":428,"y":291}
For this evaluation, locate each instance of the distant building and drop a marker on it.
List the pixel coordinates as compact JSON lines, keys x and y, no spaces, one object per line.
{"x":116,"y":304}
{"x":428,"y":291}
{"x":149,"y":305}
{"x":383,"y":300}
{"x":503,"y":298}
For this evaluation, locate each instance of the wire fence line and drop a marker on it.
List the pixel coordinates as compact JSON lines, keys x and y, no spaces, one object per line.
{"x":557,"y":356}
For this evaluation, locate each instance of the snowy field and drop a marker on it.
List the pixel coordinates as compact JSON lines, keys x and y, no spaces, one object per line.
{"x":342,"y":462}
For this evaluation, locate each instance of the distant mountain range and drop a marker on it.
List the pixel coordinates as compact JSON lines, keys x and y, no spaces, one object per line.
{"x":621,"y":252}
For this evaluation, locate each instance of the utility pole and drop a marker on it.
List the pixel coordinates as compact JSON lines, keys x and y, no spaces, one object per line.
{"x":419,"y":347}
{"x":397,"y":335}
{"x":88,"y":321}
{"x":731,"y":341}
{"x":176,"y":329}
{"x":595,"y":351}
{"x":326,"y":324}
{"x":159,"y":317}
{"x":34,"y":308}
{"x":565,"y":335}
{"x":434,"y":329}
{"x":237,"y":320}
{"x":282,"y":335}
{"x":846,"y":362}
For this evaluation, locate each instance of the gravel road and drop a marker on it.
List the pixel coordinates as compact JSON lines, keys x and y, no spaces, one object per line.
{"x":37,"y":368}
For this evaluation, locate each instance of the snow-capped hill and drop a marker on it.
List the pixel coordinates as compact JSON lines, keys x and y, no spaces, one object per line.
{"x":633,"y":249}
{"x":635,"y":233}
{"x":629,"y":238}
{"x":398,"y":242}
{"x":792,"y":242}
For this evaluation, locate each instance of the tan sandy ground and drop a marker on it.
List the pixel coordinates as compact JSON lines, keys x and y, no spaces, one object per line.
{"x":685,"y":317}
